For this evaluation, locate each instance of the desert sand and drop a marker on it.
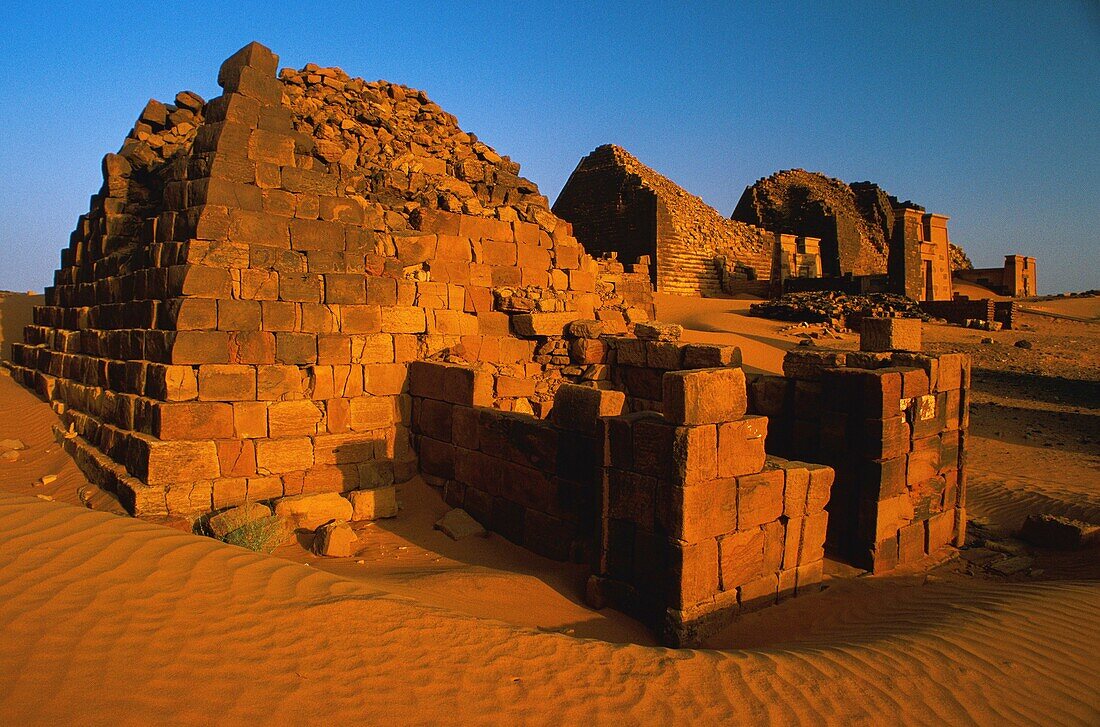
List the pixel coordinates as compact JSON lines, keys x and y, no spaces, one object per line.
{"x":127,"y":621}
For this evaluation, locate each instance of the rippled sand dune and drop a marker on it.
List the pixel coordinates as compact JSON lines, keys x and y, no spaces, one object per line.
{"x":118,"y":619}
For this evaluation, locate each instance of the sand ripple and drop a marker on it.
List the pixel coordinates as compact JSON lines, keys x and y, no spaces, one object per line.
{"x":106,"y":619}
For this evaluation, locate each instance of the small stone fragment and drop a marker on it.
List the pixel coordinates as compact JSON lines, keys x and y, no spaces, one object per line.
{"x":11,"y":445}
{"x":335,"y":539}
{"x":458,"y":524}
{"x":1060,"y":533}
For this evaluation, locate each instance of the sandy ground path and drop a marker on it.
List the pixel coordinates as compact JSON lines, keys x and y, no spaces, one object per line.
{"x":125,"y":621}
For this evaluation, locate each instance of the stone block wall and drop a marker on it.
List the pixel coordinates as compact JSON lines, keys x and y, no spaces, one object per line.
{"x":698,"y":524}
{"x":234,"y":317}
{"x":509,"y":466}
{"x":533,"y":481}
{"x":893,"y":426}
{"x":959,"y":311}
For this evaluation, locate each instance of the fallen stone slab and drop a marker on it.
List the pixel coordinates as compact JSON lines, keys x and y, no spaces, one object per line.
{"x":45,"y":480}
{"x":657,"y":331}
{"x":335,"y":539}
{"x":1012,"y":566}
{"x":585,"y":328}
{"x":980,"y":556}
{"x":1059,"y":533}
{"x":226,"y":522}
{"x":309,"y":512}
{"x":458,"y":524}
{"x":373,"y":504}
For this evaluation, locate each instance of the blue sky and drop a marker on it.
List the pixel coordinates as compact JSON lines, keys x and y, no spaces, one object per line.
{"x":985,"y":111}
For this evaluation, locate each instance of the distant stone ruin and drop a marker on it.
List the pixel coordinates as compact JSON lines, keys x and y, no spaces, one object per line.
{"x":1016,"y":279}
{"x":618,"y":205}
{"x":312,"y":287}
{"x":867,"y":234}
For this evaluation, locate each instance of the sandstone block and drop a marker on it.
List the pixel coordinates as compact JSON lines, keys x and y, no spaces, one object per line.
{"x":655,"y":331}
{"x":300,"y":287}
{"x":275,"y":456}
{"x":512,"y":386}
{"x":277,"y":383}
{"x":542,"y":324}
{"x":741,"y":446}
{"x":458,"y":524}
{"x":166,"y":463}
{"x":694,"y":454}
{"x":250,"y":419}
{"x":886,"y":438}
{"x":171,"y":383}
{"x":890,"y":334}
{"x":1053,"y":531}
{"x":373,"y":504}
{"x":238,"y":315}
{"x":309,"y":512}
{"x":403,"y":319}
{"x":293,"y":418}
{"x":708,"y":356}
{"x":227,"y":382}
{"x":254,"y":55}
{"x":812,"y":546}
{"x":796,"y":488}
{"x":587,"y":351}
{"x":704,"y":396}
{"x":585,"y":328}
{"x":370,"y":412}
{"x":693,"y":571}
{"x":237,"y":457}
{"x":911,"y":541}
{"x":200,"y":347}
{"x":632,"y":497}
{"x":759,"y":498}
{"x":940,"y":530}
{"x":192,"y":420}
{"x":883,"y":478}
{"x":821,"y":485}
{"x":335,"y":539}
{"x":742,"y":558}
{"x":577,"y":408}
{"x":295,"y":348}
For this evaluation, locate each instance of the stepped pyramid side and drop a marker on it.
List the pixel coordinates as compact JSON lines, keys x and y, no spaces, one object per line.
{"x":618,"y":204}
{"x":234,"y":316}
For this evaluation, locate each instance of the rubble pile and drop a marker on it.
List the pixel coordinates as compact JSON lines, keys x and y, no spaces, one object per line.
{"x":391,"y":144}
{"x":822,"y":306}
